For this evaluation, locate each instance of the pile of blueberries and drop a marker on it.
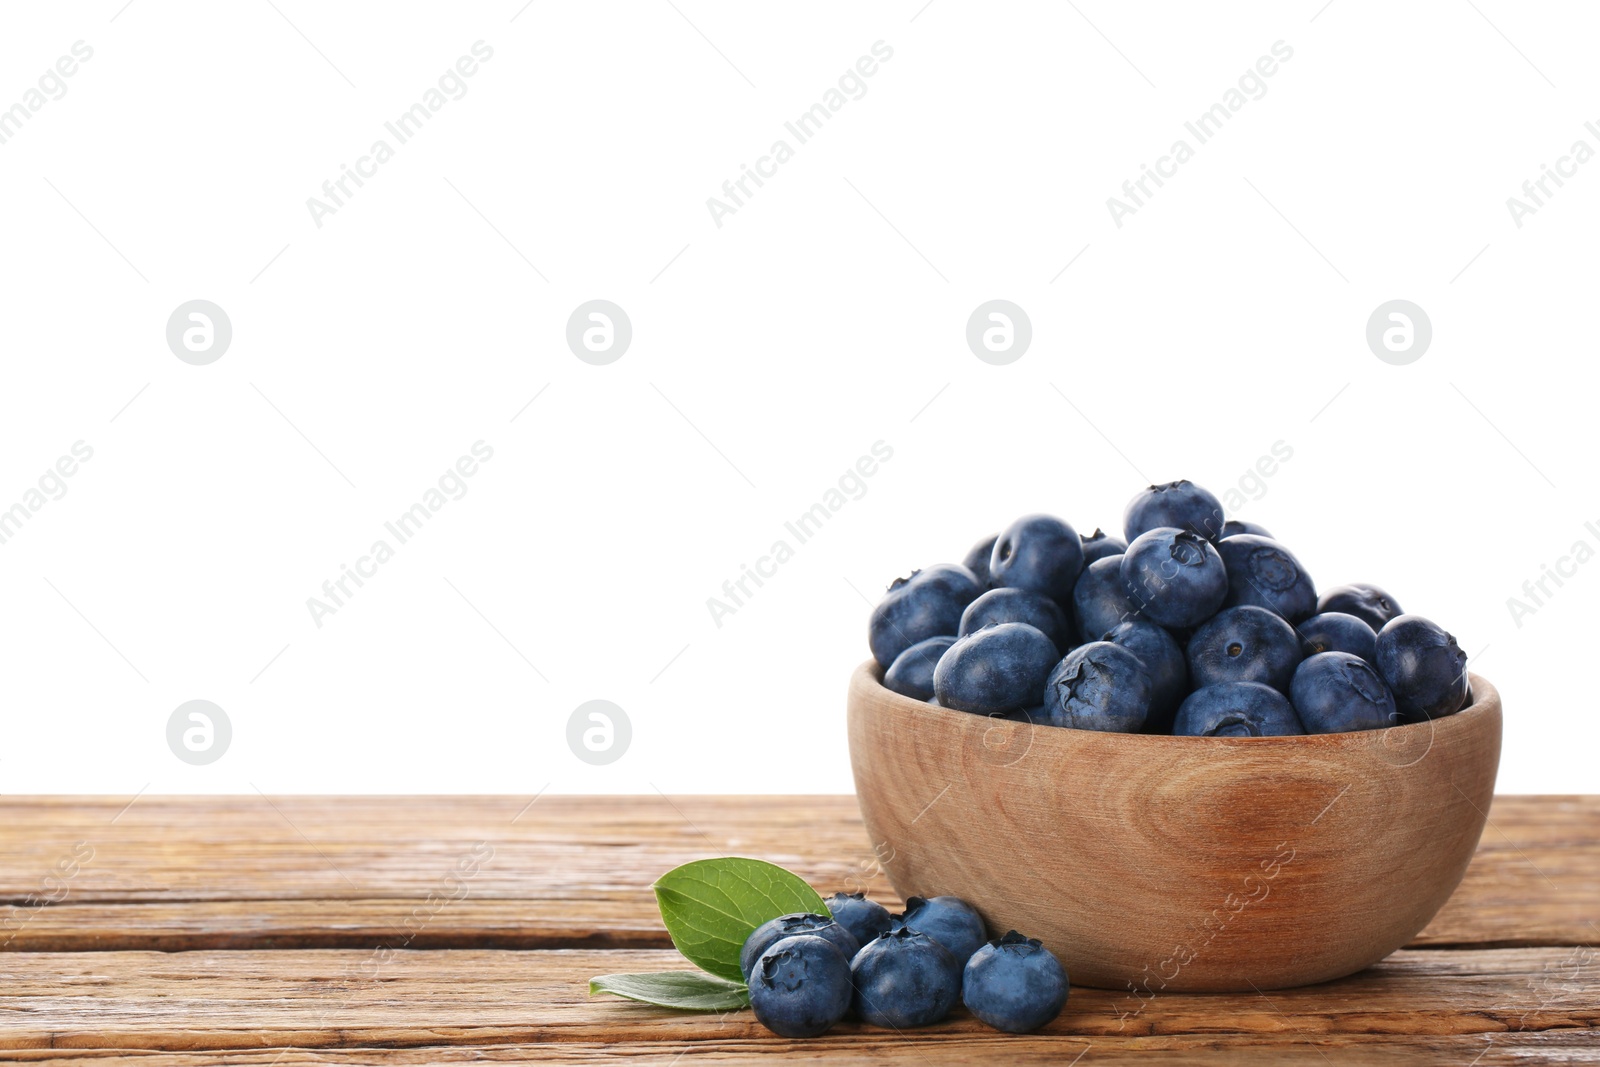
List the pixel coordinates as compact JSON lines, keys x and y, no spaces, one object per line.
{"x":806,"y":972}
{"x":1194,"y":625}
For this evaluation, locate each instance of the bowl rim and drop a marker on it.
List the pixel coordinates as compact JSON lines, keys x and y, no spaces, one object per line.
{"x":1485,"y":703}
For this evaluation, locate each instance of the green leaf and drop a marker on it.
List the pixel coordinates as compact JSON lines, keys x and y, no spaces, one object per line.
{"x":687,"y":990}
{"x":710,"y":907}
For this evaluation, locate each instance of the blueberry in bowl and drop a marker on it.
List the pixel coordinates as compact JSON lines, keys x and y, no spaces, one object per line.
{"x":1019,"y":605}
{"x":1264,"y":573}
{"x":1174,"y":578}
{"x":1098,"y":600}
{"x":1226,"y":743}
{"x":1334,"y":631}
{"x":1038,"y":552}
{"x":1335,"y":692}
{"x":911,"y":673}
{"x":1237,"y":709}
{"x":1099,"y":686}
{"x":1244,"y":644}
{"x":1164,"y":664}
{"x":1100,"y":544}
{"x":1367,"y":602}
{"x":927,"y":603}
{"x":1423,"y":666}
{"x":1182,"y":504}
{"x":1110,"y":842}
{"x":1240,"y":526}
{"x":977,"y":559}
{"x":999,"y":668}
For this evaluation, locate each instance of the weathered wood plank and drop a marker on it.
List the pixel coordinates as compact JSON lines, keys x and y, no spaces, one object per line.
{"x":248,"y":1000}
{"x":300,"y":872}
{"x":1573,"y":1047}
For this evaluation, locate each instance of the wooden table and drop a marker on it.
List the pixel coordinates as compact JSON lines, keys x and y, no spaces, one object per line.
{"x":358,"y":930}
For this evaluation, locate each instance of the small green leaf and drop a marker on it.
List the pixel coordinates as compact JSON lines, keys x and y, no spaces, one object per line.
{"x":710,"y":907}
{"x":687,"y":990}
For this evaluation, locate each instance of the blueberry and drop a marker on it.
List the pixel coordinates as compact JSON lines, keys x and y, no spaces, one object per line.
{"x":1098,"y":601}
{"x":1264,"y":573}
{"x":801,"y":986}
{"x":1019,"y":605}
{"x":1423,"y":666}
{"x":772,"y":931}
{"x":1366,"y":602}
{"x":927,"y":604}
{"x":1244,"y":644}
{"x":1163,"y":661}
{"x":951,"y":921}
{"x":1174,"y":577}
{"x":1182,"y":504}
{"x":1334,"y":692}
{"x":905,"y":979}
{"x":1100,"y":544}
{"x":977,"y":560}
{"x":1038,"y":552}
{"x":1238,"y":526}
{"x":1334,"y":631}
{"x":911,"y":673}
{"x":865,"y":919}
{"x":1237,"y":709}
{"x":1099,"y":686}
{"x":1014,"y":984}
{"x":999,"y":668}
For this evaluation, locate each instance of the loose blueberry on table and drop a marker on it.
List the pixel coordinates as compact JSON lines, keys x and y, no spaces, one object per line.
{"x":865,"y":919}
{"x":1014,"y":984}
{"x":905,"y":979}
{"x":801,"y":986}
{"x":800,"y":923}
{"x":1161,"y":633}
{"x":805,"y":972}
{"x":951,"y":921}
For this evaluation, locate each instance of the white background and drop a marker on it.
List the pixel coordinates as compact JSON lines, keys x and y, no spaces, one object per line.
{"x":768,"y":354}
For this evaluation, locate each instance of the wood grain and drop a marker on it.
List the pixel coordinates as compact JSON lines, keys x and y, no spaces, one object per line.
{"x":570,"y":872}
{"x":325,"y":930}
{"x":1569,"y":1047}
{"x":331,"y":999}
{"x":1574,"y":1047}
{"x":1195,"y":863}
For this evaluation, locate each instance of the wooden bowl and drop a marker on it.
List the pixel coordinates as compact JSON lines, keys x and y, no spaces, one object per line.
{"x":1151,"y":863}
